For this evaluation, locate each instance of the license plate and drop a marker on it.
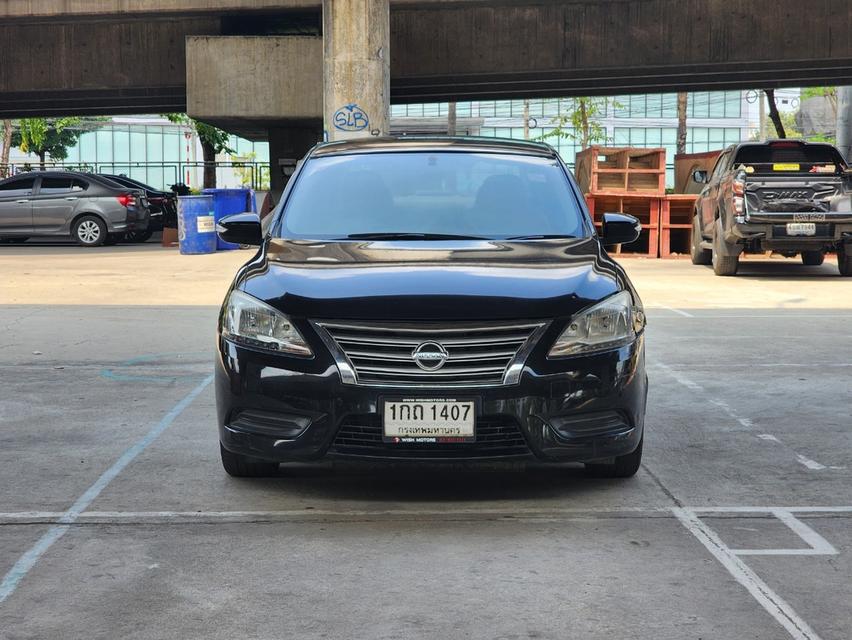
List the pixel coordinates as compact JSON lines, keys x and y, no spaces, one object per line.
{"x":416,"y":420}
{"x":801,"y":229}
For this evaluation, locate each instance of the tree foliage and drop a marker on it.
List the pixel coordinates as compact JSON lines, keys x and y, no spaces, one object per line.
{"x":213,"y":140}
{"x":209,"y":135}
{"x":46,"y":136}
{"x":582,"y":122}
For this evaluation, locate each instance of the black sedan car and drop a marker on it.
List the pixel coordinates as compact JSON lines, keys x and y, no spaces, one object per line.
{"x":163,"y":206}
{"x":431,"y":299}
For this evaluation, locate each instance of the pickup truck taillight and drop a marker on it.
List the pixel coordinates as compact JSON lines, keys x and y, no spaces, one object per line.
{"x":126,"y":200}
{"x":738,"y":187}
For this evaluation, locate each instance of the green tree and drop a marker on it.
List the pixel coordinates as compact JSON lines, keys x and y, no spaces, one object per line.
{"x":213,"y":141}
{"x":581,"y":123}
{"x":46,"y":136}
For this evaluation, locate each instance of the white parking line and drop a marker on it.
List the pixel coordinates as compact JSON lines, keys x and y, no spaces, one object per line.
{"x":680,"y":312}
{"x":29,"y":559}
{"x":776,"y":606}
{"x":290,"y":515}
{"x":744,"y":422}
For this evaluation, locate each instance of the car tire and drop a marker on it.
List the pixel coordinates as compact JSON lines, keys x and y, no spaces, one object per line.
{"x":844,"y":261}
{"x":89,"y":231}
{"x":698,"y":255}
{"x":138,"y":236}
{"x":722,"y":265}
{"x":622,"y":467}
{"x":240,"y":466}
{"x":812,"y":258}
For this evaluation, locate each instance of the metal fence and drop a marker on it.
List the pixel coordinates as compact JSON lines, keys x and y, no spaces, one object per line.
{"x":160,"y":175}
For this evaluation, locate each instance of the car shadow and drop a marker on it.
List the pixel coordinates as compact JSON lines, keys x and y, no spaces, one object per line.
{"x":787,"y":268}
{"x":433,"y":483}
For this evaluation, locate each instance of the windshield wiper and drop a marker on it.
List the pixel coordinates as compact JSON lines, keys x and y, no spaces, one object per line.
{"x":542,"y":236}
{"x":410,"y":236}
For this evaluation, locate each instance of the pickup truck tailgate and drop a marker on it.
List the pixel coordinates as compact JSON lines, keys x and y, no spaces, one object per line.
{"x":797,"y":198}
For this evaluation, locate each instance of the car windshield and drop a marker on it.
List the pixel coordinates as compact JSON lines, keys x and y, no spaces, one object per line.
{"x":432,"y":196}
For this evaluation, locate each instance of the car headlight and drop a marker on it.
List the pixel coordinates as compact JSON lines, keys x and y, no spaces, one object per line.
{"x":247,"y":320}
{"x":607,"y":325}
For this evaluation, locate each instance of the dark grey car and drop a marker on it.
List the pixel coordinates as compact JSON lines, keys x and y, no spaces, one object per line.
{"x":89,"y":209}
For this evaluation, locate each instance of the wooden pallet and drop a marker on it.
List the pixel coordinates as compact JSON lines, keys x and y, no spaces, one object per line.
{"x":621,"y":170}
{"x":646,"y":209}
{"x":676,"y":224}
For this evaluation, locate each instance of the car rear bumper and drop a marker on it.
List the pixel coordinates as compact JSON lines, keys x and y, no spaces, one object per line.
{"x":571,"y":410}
{"x":773,"y":233}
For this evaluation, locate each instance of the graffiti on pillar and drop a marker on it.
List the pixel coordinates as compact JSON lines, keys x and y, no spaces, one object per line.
{"x":350,"y":117}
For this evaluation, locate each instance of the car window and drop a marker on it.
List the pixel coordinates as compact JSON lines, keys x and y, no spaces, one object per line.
{"x":54,"y":186}
{"x":721,"y":164}
{"x":79,"y":185}
{"x":21,"y":187}
{"x":455,"y":193}
{"x":790,"y":156}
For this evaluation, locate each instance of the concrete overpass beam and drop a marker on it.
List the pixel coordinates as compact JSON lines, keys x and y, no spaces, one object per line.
{"x":356,"y":75}
{"x":259,"y":87}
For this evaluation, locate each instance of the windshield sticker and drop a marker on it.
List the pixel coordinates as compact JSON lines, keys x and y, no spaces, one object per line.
{"x":823,"y":168}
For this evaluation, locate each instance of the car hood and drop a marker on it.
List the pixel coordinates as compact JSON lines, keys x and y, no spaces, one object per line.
{"x":423,"y":280}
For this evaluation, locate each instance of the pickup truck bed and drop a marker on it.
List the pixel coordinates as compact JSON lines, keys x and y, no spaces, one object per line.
{"x":797,"y":199}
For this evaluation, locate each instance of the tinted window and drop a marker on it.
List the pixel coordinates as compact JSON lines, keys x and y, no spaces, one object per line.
{"x":21,"y":187}
{"x":481,"y":194}
{"x":53,"y":186}
{"x":124,"y":182}
{"x":79,"y":185}
{"x":789,"y":152}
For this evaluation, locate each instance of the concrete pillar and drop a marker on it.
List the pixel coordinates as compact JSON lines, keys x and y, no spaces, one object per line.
{"x":844,"y":121}
{"x":288,"y":145}
{"x":356,"y":68}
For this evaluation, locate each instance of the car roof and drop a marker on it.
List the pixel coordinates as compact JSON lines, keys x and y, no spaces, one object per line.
{"x":434,"y":143}
{"x":786,"y":141}
{"x":49,"y":174}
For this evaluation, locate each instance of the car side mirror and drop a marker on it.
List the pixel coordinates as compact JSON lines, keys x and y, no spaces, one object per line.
{"x":699,"y":176}
{"x":240,"y":228}
{"x":619,"y":228}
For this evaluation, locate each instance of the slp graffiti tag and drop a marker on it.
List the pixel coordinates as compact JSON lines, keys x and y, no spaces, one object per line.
{"x":350,"y":117}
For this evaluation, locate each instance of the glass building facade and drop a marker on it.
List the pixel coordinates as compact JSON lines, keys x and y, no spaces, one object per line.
{"x":715,"y":119}
{"x":161,"y":153}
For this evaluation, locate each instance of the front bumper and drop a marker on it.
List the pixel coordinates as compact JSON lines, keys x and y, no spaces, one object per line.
{"x":580,"y":409}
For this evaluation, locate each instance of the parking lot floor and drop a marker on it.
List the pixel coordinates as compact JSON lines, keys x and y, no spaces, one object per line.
{"x":116,"y":519}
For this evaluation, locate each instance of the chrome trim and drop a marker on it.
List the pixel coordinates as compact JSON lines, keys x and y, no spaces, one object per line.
{"x":519,"y":346}
{"x":347,"y":371}
{"x":516,"y":366}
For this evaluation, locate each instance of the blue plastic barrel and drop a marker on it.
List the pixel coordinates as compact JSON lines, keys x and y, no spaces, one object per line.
{"x":226,"y":202}
{"x":196,"y":225}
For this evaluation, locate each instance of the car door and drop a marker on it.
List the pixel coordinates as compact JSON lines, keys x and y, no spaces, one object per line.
{"x":54,"y":203}
{"x":15,"y":206}
{"x":710,"y":193}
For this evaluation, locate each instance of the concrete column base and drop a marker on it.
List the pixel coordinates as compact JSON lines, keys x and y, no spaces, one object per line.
{"x":288,"y":145}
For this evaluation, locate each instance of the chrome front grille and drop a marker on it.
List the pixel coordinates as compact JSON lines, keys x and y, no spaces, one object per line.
{"x":382,"y":354}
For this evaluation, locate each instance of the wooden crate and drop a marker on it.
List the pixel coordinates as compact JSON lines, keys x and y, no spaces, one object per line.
{"x":686,"y":163}
{"x":676,"y":224}
{"x":646,"y":209}
{"x":621,"y":170}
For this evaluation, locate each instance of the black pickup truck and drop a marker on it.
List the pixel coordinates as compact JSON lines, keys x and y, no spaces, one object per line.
{"x":788,"y":196}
